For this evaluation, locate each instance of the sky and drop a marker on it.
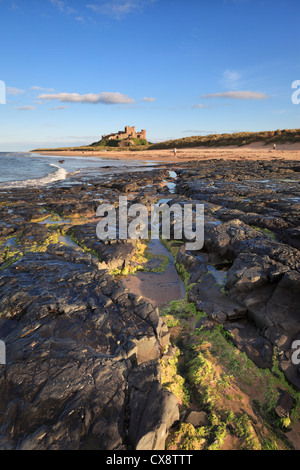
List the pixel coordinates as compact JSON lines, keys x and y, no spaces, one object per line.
{"x":74,"y":70}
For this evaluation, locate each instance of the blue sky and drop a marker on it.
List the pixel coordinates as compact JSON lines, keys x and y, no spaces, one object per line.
{"x":75,"y":70}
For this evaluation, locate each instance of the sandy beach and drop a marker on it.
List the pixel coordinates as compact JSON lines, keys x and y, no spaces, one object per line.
{"x":256,"y":151}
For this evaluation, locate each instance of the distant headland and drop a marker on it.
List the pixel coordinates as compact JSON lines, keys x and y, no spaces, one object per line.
{"x":129,"y":139}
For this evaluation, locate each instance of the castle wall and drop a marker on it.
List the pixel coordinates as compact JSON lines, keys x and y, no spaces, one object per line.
{"x":142,"y":134}
{"x":129,"y":132}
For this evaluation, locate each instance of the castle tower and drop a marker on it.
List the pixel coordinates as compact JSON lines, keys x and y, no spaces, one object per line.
{"x":130,"y":131}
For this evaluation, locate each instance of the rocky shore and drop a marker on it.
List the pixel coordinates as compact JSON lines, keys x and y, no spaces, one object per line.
{"x":252,"y":237}
{"x":84,"y":354}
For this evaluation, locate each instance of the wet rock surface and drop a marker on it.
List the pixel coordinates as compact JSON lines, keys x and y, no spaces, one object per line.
{"x":250,"y":263}
{"x":74,"y":341}
{"x":83,"y":353}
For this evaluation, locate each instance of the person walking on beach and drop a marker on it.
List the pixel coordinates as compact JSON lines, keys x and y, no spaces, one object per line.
{"x":274,"y":147}
{"x":175,"y":152}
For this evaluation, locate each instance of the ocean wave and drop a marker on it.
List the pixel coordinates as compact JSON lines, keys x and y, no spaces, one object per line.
{"x":58,"y":175}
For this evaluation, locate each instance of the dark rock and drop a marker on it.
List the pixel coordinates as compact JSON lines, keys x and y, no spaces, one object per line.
{"x":284,"y":405}
{"x":152,"y":409}
{"x":208,"y":296}
{"x":70,"y":354}
{"x":247,"y":339}
{"x":112,"y":254}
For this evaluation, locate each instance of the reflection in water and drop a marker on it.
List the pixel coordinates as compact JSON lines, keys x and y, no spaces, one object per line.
{"x":158,"y":288}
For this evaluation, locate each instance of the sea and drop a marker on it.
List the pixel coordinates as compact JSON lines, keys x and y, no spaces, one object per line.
{"x":23,"y":169}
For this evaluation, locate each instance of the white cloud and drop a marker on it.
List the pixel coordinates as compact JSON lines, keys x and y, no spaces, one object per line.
{"x":115,"y":98}
{"x":91,"y":98}
{"x":14,"y":91}
{"x":119,"y":8}
{"x":58,"y":108}
{"x":62,"y":7}
{"x":40,"y":88}
{"x":238,"y":95}
{"x":59,"y":4}
{"x":148,"y":100}
{"x":231,"y":79}
{"x":209,"y":106}
{"x":25,"y":108}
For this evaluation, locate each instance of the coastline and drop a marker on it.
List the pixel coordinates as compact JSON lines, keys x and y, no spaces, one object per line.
{"x":255,"y":151}
{"x":94,"y":309}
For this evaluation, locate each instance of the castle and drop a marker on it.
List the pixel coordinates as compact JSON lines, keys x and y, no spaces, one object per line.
{"x":128,"y":133}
